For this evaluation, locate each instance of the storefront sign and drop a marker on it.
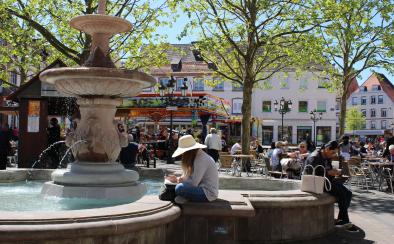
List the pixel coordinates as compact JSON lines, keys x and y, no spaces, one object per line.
{"x":33,"y":116}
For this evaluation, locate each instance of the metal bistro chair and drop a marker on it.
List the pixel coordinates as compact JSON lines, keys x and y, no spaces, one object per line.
{"x":389,"y":176}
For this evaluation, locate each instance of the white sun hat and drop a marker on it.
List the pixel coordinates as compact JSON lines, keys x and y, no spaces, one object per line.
{"x":185,"y":144}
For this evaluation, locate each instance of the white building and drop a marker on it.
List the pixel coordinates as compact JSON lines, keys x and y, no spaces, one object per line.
{"x":375,"y":99}
{"x":306,"y":92}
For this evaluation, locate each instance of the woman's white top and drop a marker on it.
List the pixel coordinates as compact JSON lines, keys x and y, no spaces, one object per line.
{"x":205,"y":175}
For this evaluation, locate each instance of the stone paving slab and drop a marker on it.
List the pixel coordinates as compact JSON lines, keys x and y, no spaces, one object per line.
{"x":371,"y":211}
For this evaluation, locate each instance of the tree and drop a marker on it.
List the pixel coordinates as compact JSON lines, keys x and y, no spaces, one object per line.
{"x":31,"y":27}
{"x":249,"y":41}
{"x":356,"y":35}
{"x":355,"y":120}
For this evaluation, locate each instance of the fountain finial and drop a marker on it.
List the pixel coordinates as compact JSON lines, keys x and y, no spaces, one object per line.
{"x":101,"y":6}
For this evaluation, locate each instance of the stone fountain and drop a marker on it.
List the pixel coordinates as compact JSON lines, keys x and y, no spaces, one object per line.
{"x":99,"y":87}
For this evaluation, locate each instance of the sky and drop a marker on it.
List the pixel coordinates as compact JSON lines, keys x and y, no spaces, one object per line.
{"x":176,"y":29}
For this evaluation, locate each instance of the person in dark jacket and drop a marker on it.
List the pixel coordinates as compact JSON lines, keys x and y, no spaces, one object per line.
{"x":54,"y":136}
{"x":323,"y":157}
{"x":5,"y":147}
{"x":389,"y":142}
{"x":128,"y":155}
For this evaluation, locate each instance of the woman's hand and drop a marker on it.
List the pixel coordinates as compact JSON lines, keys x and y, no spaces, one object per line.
{"x":172,"y":178}
{"x":181,"y":179}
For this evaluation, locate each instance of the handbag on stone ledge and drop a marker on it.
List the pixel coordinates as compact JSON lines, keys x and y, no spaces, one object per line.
{"x":314,"y":183}
{"x":167,"y":191}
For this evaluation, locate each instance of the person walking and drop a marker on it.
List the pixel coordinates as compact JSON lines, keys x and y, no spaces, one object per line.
{"x":128,"y":154}
{"x":214,"y":144}
{"x":199,"y":181}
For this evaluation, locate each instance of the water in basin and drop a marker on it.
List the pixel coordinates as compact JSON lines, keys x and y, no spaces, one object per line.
{"x":25,"y":196}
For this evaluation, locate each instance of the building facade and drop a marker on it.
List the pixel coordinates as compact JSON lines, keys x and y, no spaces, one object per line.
{"x":375,"y":99}
{"x":307,"y":93}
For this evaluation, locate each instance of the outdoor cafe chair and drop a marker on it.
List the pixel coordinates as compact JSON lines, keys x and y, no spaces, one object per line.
{"x":389,"y":176}
{"x":225,"y":163}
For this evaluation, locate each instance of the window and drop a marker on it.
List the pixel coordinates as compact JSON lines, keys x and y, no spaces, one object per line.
{"x":267,"y":106}
{"x":13,"y":78}
{"x":237,"y":87}
{"x":147,"y":89}
{"x":373,"y":125}
{"x":164,"y":80}
{"x":321,"y":106}
{"x":303,"y":84}
{"x":376,"y":88}
{"x":380,"y":99}
{"x":219,"y":85}
{"x":364,"y":89}
{"x":373,"y":112}
{"x":321,"y":84}
{"x":198,"y":84}
{"x":284,"y":84}
{"x":287,"y":133}
{"x":373,"y":100}
{"x":354,"y":100}
{"x":383,"y":124}
{"x":267,"y":134}
{"x":302,"y":106}
{"x":237,"y":105}
{"x":179,"y":83}
{"x":364,"y":112}
{"x":363,"y":100}
{"x":383,"y":112}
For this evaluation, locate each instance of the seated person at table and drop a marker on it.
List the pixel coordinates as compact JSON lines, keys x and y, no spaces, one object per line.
{"x":277,"y":155}
{"x":345,"y":148}
{"x":390,"y":158}
{"x":323,"y":157}
{"x":236,"y":147}
{"x":199,"y":181}
{"x":128,"y":154}
{"x":362,"y":150}
{"x":298,"y":158}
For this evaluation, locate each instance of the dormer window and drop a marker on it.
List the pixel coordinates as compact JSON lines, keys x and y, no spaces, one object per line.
{"x":376,"y":88}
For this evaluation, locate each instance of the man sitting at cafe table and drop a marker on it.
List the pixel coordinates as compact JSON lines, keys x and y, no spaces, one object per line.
{"x":323,"y":157}
{"x":390,"y":158}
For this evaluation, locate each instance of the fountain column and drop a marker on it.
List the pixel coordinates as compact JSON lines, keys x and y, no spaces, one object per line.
{"x":99,"y":87}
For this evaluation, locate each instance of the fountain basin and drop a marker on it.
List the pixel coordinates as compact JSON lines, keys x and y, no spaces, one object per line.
{"x":96,"y":82}
{"x":100,"y":23}
{"x":276,"y":213}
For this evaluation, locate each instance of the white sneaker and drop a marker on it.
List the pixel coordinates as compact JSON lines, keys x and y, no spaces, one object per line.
{"x":180,"y":200}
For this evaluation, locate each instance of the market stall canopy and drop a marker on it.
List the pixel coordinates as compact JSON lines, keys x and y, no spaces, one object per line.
{"x":155,"y":107}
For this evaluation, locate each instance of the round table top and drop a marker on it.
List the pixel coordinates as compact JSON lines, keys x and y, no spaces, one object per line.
{"x":381,"y":164}
{"x":242,"y":156}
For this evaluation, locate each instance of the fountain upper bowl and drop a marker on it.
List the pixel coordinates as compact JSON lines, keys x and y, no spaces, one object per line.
{"x":99,"y":23}
{"x":97,"y":81}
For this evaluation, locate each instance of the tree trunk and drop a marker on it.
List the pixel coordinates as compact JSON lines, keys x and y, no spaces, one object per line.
{"x":342,"y":115}
{"x":246,"y":115}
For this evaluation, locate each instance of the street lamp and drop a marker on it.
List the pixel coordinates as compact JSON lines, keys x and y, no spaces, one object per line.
{"x":315,"y":116}
{"x":284,"y":107}
{"x":167,"y":94}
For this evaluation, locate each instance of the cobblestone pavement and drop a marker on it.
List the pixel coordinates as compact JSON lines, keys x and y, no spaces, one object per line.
{"x":371,"y":211}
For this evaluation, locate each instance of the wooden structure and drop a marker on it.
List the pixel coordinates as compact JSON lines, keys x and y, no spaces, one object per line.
{"x":34,"y":110}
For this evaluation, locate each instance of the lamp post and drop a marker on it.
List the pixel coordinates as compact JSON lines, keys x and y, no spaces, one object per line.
{"x":315,"y":116}
{"x":167,"y":94}
{"x":284,"y":107}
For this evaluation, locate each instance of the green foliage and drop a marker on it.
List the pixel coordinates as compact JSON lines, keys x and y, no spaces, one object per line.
{"x":354,"y":119}
{"x":31,"y":26}
{"x":354,"y":35}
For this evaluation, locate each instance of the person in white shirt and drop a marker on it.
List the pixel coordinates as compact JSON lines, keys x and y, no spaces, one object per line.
{"x":214,"y":144}
{"x":199,"y":181}
{"x":236,"y":147}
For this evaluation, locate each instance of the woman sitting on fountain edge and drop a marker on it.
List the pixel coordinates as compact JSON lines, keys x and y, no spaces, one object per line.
{"x":199,"y":181}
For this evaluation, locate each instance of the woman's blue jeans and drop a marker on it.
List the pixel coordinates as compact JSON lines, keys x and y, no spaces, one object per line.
{"x":191,"y":193}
